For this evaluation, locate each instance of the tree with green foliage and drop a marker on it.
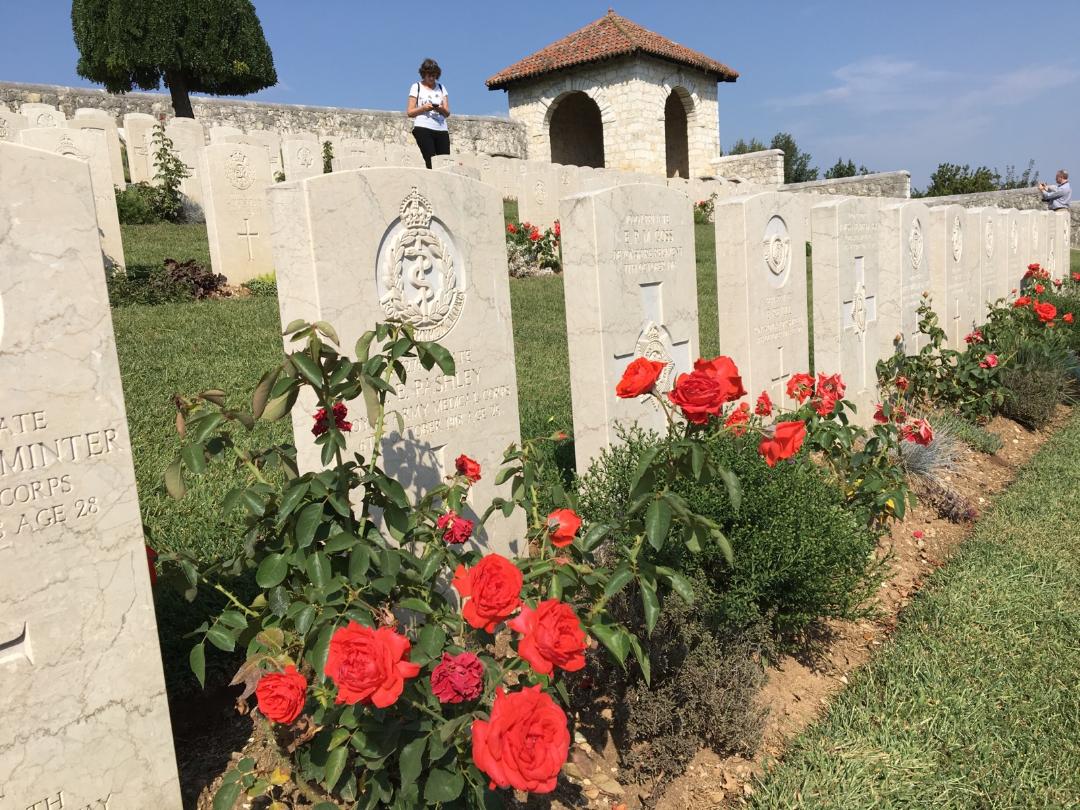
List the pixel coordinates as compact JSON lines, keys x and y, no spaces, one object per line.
{"x":194,"y":46}
{"x":952,"y":178}
{"x":797,"y":168}
{"x":741,"y":147}
{"x":844,"y":168}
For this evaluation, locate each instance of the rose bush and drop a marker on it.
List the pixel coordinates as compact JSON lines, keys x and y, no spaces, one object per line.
{"x":531,"y":250}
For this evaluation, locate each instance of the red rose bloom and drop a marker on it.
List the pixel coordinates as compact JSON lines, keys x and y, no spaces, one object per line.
{"x":1039,"y":289}
{"x":785,"y":441}
{"x":639,"y":378}
{"x":919,"y":432}
{"x":900,"y":416}
{"x":467,"y":467}
{"x":492,"y":589}
{"x":763,"y":407}
{"x":552,"y":636}
{"x":800,"y":387}
{"x":456,"y":529}
{"x":879,"y":415}
{"x":704,"y":391}
{"x":563,"y":524}
{"x":322,"y":419}
{"x":738,"y":419}
{"x":902,"y":383}
{"x":558,"y":228}
{"x":1076,"y":276}
{"x":973,"y":337}
{"x":832,"y":386}
{"x":1067,"y":317}
{"x":990,"y":361}
{"x":510,"y":228}
{"x":525,"y":742}
{"x":824,"y":405}
{"x":458,"y":678}
{"x":1058,"y":282}
{"x":1034,"y":267}
{"x":282,"y":695}
{"x":369,"y":666}
{"x":1022,"y":301}
{"x":1046,"y":311}
{"x":534,"y":235}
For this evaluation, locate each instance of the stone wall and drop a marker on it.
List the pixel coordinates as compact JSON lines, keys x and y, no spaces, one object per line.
{"x":1022,"y":198}
{"x":469,"y":133}
{"x":757,"y":168}
{"x":881,"y":184}
{"x":631,"y":94}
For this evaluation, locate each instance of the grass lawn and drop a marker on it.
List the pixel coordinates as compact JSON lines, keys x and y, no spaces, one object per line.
{"x":152,"y":244}
{"x":973,"y":704}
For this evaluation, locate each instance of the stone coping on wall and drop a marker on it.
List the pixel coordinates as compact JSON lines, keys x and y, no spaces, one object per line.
{"x":879,"y":184}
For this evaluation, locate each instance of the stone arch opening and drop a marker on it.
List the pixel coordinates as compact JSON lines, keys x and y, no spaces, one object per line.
{"x":676,"y":111}
{"x":576,"y":132}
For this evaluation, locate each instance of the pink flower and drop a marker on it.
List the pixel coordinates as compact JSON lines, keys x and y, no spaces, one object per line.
{"x":918,"y":431}
{"x":976,"y":336}
{"x":990,"y":362}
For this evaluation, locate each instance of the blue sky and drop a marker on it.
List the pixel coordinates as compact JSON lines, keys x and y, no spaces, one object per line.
{"x":891,"y":85}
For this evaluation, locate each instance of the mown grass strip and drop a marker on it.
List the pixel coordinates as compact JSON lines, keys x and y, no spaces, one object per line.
{"x":973,"y":703}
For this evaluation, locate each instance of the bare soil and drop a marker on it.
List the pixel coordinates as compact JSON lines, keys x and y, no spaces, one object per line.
{"x":210,"y":736}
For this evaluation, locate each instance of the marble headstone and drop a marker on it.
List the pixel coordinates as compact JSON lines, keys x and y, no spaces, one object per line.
{"x":847,"y":270}
{"x":189,"y":140}
{"x":954,"y":283}
{"x":303,"y":159}
{"x":235,"y":179}
{"x":11,"y":124}
{"x":993,"y":256}
{"x":43,"y":115}
{"x":271,"y":142}
{"x":905,"y":257}
{"x":91,"y":147}
{"x":138,"y":138}
{"x":87,"y":118}
{"x":538,"y":200}
{"x":85,"y":717}
{"x":359,"y":247}
{"x":631,"y":291}
{"x":761,"y":288}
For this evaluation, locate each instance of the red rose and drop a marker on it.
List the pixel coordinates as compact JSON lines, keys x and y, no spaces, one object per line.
{"x":800,"y":387}
{"x":1022,"y":301}
{"x":552,"y":636}
{"x":738,"y":419}
{"x":456,"y":529}
{"x":458,"y":678}
{"x":990,"y":361}
{"x":1058,"y":282}
{"x":785,"y":441}
{"x":151,"y":558}
{"x":973,"y":337}
{"x":1076,"y":276}
{"x":1039,"y":289}
{"x":763,"y":407}
{"x":525,"y":742}
{"x":704,"y":391}
{"x":558,"y":228}
{"x":917,"y":534}
{"x":467,"y":467}
{"x":639,"y":378}
{"x":322,"y":419}
{"x":879,"y":415}
{"x":563,"y":524}
{"x":900,"y":416}
{"x":282,"y":695}
{"x":902,"y":383}
{"x":1046,"y":311}
{"x":1067,"y":317}
{"x":510,"y":228}
{"x":1034,"y":267}
{"x":831,"y":387}
{"x":824,"y":405}
{"x":369,"y":666}
{"x":492,"y":588}
{"x":534,"y":235}
{"x":919,"y":432}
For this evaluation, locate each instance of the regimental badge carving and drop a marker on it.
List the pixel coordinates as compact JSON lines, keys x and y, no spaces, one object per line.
{"x":989,"y":238}
{"x":304,"y":157}
{"x":239,"y":172}
{"x":420,"y":282}
{"x":957,"y":238}
{"x":66,"y":146}
{"x":46,"y":119}
{"x":1014,"y":238}
{"x":652,"y":344}
{"x":776,"y":247}
{"x":916,"y":246}
{"x":539,"y":189}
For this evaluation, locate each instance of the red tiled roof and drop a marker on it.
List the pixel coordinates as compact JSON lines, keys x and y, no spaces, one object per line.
{"x":610,"y":36}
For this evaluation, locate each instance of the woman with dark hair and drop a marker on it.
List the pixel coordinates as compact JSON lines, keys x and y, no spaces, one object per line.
{"x":429,"y":107}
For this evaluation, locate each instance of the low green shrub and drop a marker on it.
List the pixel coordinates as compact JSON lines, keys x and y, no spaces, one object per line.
{"x":171,"y":283}
{"x":974,"y":436}
{"x":1033,"y":391}
{"x":264,"y":286}
{"x":801,"y":554}
{"x":135,"y":205}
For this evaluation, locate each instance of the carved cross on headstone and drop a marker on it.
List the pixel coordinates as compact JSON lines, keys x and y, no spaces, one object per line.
{"x":779,"y":380}
{"x":248,"y":234}
{"x":17,"y":648}
{"x":860,"y":311}
{"x":957,"y":326}
{"x":654,"y":337}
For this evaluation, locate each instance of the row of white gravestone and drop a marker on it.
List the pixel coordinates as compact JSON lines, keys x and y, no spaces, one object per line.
{"x":85,"y":718}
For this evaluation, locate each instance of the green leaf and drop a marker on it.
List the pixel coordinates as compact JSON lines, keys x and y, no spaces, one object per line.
{"x":226,"y":797}
{"x":419,"y":605}
{"x":697,"y":459}
{"x":304,"y":619}
{"x":262,"y":392}
{"x":199,"y":429}
{"x":272,"y":570}
{"x":328,"y":331}
{"x":174,"y":480}
{"x":644,"y":463}
{"x":614,"y":638}
{"x":681,"y":585}
{"x":278,"y":601}
{"x":642,"y":659}
{"x":295,"y":326}
{"x":194,"y":457}
{"x":363,"y":346}
{"x":197,"y":661}
{"x":444,"y":359}
{"x":335,"y":764}
{"x":734,"y":491}
{"x":221,"y":638}
{"x":359,"y":562}
{"x":372,"y":406}
{"x":277,"y":407}
{"x":725,"y":546}
{"x":596,"y":534}
{"x":318,"y":569}
{"x":443,"y":786}
{"x":622,"y":574}
{"x":411,"y":760}
{"x":650,"y":604}
{"x":658,"y":523}
{"x":308,"y":368}
{"x":292,"y":497}
{"x":431,"y":641}
{"x":307,"y":523}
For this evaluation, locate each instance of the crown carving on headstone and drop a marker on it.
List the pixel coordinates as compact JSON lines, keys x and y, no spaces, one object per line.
{"x":415,"y":211}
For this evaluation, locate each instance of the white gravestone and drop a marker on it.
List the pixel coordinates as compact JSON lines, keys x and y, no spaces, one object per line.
{"x":91,"y":147}
{"x":847,"y":270}
{"x":1062,"y":227}
{"x":138,"y":138}
{"x":43,"y":115}
{"x":1047,"y":225}
{"x":225,"y":134}
{"x":905,"y":275}
{"x":540,"y":191}
{"x":359,"y":247}
{"x":271,"y":142}
{"x":11,"y":124}
{"x":303,"y":159}
{"x":1015,"y":253}
{"x":99,"y":120}
{"x":358,"y":153}
{"x":761,"y":288}
{"x":631,"y":291}
{"x":85,"y":717}
{"x":189,"y":140}
{"x":1024,"y":230}
{"x":235,"y":179}
{"x":993,"y":255}
{"x":1037,"y":224}
{"x":955,"y":287}
{"x":454,"y":165}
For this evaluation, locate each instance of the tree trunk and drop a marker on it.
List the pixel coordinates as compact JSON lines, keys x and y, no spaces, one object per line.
{"x":181,"y":101}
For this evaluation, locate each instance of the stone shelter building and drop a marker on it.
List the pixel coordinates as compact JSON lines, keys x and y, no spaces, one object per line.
{"x":616,"y":95}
